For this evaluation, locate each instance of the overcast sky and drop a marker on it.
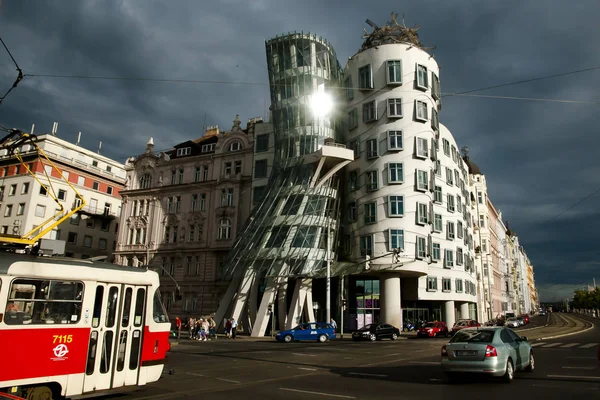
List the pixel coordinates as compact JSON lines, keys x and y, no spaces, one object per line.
{"x":539,"y":157}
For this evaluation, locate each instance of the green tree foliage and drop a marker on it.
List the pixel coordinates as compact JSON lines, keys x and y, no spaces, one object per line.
{"x":587,"y":300}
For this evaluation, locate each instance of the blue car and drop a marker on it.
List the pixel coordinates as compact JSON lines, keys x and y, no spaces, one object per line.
{"x":319,"y":331}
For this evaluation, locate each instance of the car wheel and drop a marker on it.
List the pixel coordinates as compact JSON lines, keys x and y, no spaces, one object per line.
{"x":531,"y":365}
{"x":372,"y":337}
{"x":288,"y":338}
{"x":322,"y":338}
{"x":394,"y":336}
{"x":510,"y":371}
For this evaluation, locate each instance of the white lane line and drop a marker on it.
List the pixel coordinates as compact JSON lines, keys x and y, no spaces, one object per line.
{"x":426,"y":362}
{"x":537,"y":344}
{"x":546,"y":346}
{"x":391,"y":355}
{"x":365,"y":374}
{"x":569,"y":345}
{"x":568,"y":367}
{"x":587,"y":346}
{"x":593,"y":378}
{"x":302,"y":354}
{"x":193,"y":373}
{"x":228,"y":380}
{"x":340,"y":396}
{"x":307,"y":369}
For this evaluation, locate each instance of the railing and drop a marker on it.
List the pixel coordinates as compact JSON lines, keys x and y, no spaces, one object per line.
{"x":333,"y":144}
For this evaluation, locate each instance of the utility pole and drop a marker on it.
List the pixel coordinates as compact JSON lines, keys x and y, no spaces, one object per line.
{"x":328,"y":300}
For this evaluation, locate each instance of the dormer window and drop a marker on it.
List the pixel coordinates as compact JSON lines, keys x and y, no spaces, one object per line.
{"x":206,"y":148}
{"x":235,"y":146}
{"x":184,"y":151}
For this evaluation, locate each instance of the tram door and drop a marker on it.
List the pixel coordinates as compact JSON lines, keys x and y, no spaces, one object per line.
{"x":129,"y":338}
{"x":101,"y":349}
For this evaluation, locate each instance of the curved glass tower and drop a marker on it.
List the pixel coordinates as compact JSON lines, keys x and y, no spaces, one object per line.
{"x":292,"y":233}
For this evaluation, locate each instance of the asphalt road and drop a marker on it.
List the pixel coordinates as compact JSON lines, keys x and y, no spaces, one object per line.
{"x":566,"y":367}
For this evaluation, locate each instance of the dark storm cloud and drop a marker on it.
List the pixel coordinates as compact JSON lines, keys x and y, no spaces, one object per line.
{"x":539,"y":157}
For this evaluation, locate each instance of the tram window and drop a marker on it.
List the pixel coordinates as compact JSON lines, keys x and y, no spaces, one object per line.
{"x":106,"y":352}
{"x":121,"y":351}
{"x":97,"y":306}
{"x":135,"y":350}
{"x":111,"y":306}
{"x":158,"y":312}
{"x":91,"y":360}
{"x":33,"y":301}
{"x":126,"y":308}
{"x":138,"y":314}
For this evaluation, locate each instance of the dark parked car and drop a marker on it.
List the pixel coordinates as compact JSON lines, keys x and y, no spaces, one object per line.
{"x":375,"y":332}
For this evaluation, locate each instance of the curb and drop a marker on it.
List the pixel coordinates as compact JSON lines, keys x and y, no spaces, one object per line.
{"x":568,"y":334}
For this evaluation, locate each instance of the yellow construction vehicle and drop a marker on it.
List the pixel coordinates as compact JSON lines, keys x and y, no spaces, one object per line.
{"x":12,"y":143}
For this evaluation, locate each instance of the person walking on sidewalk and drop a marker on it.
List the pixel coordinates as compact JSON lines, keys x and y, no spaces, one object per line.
{"x":228,"y":329}
{"x":178,"y":326}
{"x":234,"y":325}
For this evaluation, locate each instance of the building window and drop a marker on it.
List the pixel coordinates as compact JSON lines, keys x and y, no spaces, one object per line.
{"x":394,"y":72}
{"x":40,"y":211}
{"x":395,"y":140}
{"x":396,"y":206}
{"x":372,"y":151}
{"x":431,"y":284}
{"x":180,"y":175}
{"x":177,"y":203}
{"x":369,"y":111}
{"x":72,"y":238}
{"x":450,"y":200}
{"x":421,"y":111}
{"x":446,"y":146}
{"x":194,"y":202}
{"x":436,"y":253}
{"x":260,"y":169}
{"x":437,"y":223}
{"x":146,"y":181}
{"x":352,"y":118}
{"x":227,"y":197}
{"x":87,"y":241}
{"x":355,"y":147}
{"x":484,"y":245}
{"x":305,"y":237}
{"x":262,"y":143}
{"x":482,"y":221}
{"x":278,"y":236}
{"x":207,"y":148}
{"x":43,"y":191}
{"x":422,"y":149}
{"x":436,"y":92}
{"x":365,"y":79}
{"x":237,"y":170}
{"x":349,"y":88}
{"x":459,"y":256}
{"x":4,"y":229}
{"x":394,"y":108}
{"x":479,"y":197}
{"x":485,"y":272}
{"x":395,"y":173}
{"x":96,"y":186}
{"x":446,"y":284}
{"x":458,"y":203}
{"x":459,"y":230}
{"x":422,"y":214}
{"x":90,"y":223}
{"x":422,"y":77}
{"x":224,"y":228}
{"x":25,"y":188}
{"x":421,"y":247}
{"x":353,"y":180}
{"x":352,"y":208}
{"x":450,"y":230}
{"x":21,"y":209}
{"x":435,"y":120}
{"x":235,"y":146}
{"x":370,"y":216}
{"x":449,"y":258}
{"x":184,"y":151}
{"x":372,"y":180}
{"x":366,"y":245}
{"x":449,"y":176}
{"x":459,"y":285}
{"x":437,"y":195}
{"x":422,"y":180}
{"x":202,"y":202}
{"x":192,"y":233}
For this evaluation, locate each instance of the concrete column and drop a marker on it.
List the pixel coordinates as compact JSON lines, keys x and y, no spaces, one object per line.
{"x":391,"y":307}
{"x":464,"y":310}
{"x":450,"y":318}
{"x":282,"y":304}
{"x":226,"y":301}
{"x":310,"y":311}
{"x":298,"y":302}
{"x":262,"y":316}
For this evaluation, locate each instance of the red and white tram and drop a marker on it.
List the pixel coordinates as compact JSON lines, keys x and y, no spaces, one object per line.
{"x":72,"y":328}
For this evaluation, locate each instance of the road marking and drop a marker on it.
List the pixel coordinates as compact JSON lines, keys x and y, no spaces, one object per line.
{"x":341,"y":396}
{"x":391,"y":355}
{"x":593,"y":378}
{"x":425,"y":362}
{"x":566,"y":346}
{"x":584,"y":358}
{"x":567,"y":367}
{"x":192,"y":373}
{"x":537,"y":344}
{"x":436,"y":380}
{"x":546,"y":346}
{"x":307,"y":369}
{"x":587,"y":346}
{"x":302,"y":354}
{"x":365,"y":374}
{"x":228,"y":380}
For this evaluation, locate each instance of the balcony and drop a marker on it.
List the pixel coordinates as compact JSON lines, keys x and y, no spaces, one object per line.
{"x":98,"y":212}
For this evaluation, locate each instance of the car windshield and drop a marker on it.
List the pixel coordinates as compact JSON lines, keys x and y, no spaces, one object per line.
{"x":367,"y":327}
{"x":462,"y":323}
{"x":473,"y":336}
{"x":429,"y":325}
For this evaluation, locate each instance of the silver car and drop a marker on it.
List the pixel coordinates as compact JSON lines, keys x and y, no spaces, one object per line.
{"x":494,"y":351}
{"x":513,"y":323}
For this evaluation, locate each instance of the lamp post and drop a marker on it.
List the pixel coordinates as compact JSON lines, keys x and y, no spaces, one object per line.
{"x":328,"y":300}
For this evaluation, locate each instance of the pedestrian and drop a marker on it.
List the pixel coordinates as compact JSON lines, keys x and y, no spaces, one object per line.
{"x":178,"y":326}
{"x":212,"y":327}
{"x":333,"y":324}
{"x":234,"y":325}
{"x":191,"y":326}
{"x":228,"y":328}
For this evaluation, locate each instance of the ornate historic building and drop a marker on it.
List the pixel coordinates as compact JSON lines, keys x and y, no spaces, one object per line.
{"x":183,"y":209}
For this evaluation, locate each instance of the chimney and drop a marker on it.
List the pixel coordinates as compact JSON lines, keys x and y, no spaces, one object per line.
{"x":54,"y":128}
{"x":78,"y":139}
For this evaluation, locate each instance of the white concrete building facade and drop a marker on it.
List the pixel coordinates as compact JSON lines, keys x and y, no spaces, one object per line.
{"x":407,"y":200}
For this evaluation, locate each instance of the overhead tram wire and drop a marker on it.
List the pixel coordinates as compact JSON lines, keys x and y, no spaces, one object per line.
{"x":576,"y":203}
{"x":20,"y":76}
